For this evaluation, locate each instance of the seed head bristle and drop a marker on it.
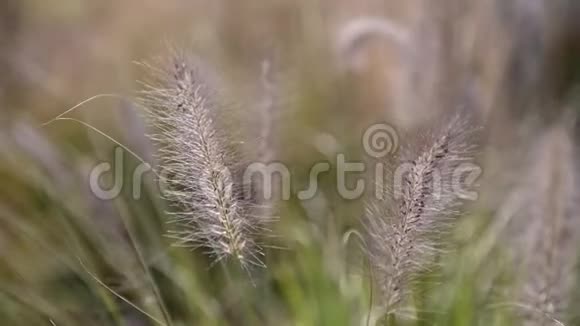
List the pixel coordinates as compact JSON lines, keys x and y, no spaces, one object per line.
{"x":406,"y":229}
{"x":547,"y":229}
{"x":198,"y":164}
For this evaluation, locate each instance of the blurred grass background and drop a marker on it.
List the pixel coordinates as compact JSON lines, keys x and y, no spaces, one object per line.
{"x":69,"y":258}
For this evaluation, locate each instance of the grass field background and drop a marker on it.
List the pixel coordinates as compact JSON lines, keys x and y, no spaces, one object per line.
{"x":68,"y":257}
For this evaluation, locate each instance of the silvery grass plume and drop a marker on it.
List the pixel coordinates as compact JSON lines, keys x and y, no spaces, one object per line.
{"x":406,"y":228}
{"x":546,"y":230}
{"x":267,"y":112}
{"x":352,"y":35}
{"x":199,"y":165}
{"x":263,"y":144}
{"x":266,"y":194}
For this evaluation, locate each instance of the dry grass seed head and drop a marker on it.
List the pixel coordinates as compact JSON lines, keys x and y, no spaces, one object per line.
{"x":199,"y":164}
{"x":406,"y":230}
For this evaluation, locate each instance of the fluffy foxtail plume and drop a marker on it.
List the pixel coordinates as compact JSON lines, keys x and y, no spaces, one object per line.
{"x":406,"y":228}
{"x":265,"y":194}
{"x":353,"y":33}
{"x":547,"y":230}
{"x":198,"y":163}
{"x":267,"y":113}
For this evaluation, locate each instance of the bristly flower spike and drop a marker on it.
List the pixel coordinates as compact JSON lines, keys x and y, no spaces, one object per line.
{"x":199,"y":165}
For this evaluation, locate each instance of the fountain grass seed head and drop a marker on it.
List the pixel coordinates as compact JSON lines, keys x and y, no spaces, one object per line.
{"x":199,"y":164}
